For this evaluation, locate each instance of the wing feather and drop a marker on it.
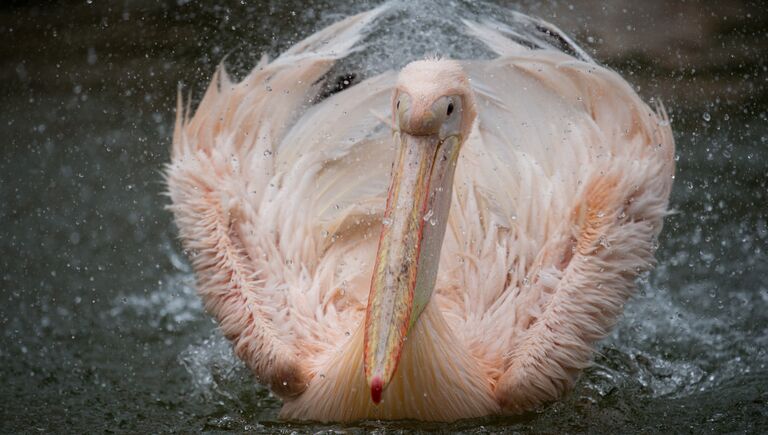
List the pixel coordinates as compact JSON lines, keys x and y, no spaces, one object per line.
{"x":580,"y":170}
{"x":238,"y":209}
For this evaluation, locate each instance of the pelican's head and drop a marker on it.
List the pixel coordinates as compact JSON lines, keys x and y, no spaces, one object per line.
{"x":433,"y":110}
{"x":433,"y":99}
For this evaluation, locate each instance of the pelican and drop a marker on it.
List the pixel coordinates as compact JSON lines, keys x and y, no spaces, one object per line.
{"x":457,"y":258}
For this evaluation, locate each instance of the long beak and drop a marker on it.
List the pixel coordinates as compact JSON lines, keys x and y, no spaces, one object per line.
{"x":391,"y":300}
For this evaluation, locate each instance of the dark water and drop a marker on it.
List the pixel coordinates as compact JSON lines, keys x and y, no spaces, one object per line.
{"x":101,"y":330}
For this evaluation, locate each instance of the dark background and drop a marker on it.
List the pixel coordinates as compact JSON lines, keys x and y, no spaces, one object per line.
{"x":100,"y":329}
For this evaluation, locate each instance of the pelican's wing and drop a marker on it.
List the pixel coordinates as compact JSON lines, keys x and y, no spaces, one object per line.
{"x":568,"y":174}
{"x":253,"y":190}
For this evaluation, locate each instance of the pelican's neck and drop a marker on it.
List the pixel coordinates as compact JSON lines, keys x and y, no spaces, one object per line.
{"x":437,"y":380}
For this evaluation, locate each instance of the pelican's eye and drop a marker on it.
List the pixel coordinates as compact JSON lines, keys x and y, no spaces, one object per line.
{"x":448,"y":110}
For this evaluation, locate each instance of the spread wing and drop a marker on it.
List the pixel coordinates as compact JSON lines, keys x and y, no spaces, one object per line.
{"x":561,"y":194}
{"x":263,"y":180}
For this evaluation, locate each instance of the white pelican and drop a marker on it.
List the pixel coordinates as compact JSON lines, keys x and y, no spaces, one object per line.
{"x":525,"y":194}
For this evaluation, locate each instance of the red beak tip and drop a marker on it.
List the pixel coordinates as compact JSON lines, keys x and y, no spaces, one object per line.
{"x":377,"y":386}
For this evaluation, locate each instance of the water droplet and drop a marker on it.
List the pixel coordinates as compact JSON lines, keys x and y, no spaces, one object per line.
{"x":386,"y":222}
{"x":428,"y":215}
{"x":92,"y":56}
{"x":706,"y":116}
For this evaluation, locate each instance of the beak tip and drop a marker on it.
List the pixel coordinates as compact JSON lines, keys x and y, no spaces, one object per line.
{"x":377,"y":387}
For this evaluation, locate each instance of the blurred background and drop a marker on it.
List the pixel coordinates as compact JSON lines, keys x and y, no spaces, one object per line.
{"x":100,"y":329}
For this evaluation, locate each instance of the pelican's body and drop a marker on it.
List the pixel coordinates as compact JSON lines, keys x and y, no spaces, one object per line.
{"x":535,"y":181}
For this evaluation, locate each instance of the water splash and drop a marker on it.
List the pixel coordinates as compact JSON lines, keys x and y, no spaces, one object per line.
{"x":171,"y":307}
{"x":214,"y":370}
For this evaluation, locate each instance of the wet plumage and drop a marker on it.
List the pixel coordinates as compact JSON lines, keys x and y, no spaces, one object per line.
{"x":559,"y":191}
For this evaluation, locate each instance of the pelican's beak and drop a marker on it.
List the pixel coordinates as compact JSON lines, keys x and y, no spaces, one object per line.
{"x":407,"y":258}
{"x":432,"y":112}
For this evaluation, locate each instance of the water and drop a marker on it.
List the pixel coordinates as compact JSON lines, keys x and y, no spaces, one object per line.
{"x":101,"y":330}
